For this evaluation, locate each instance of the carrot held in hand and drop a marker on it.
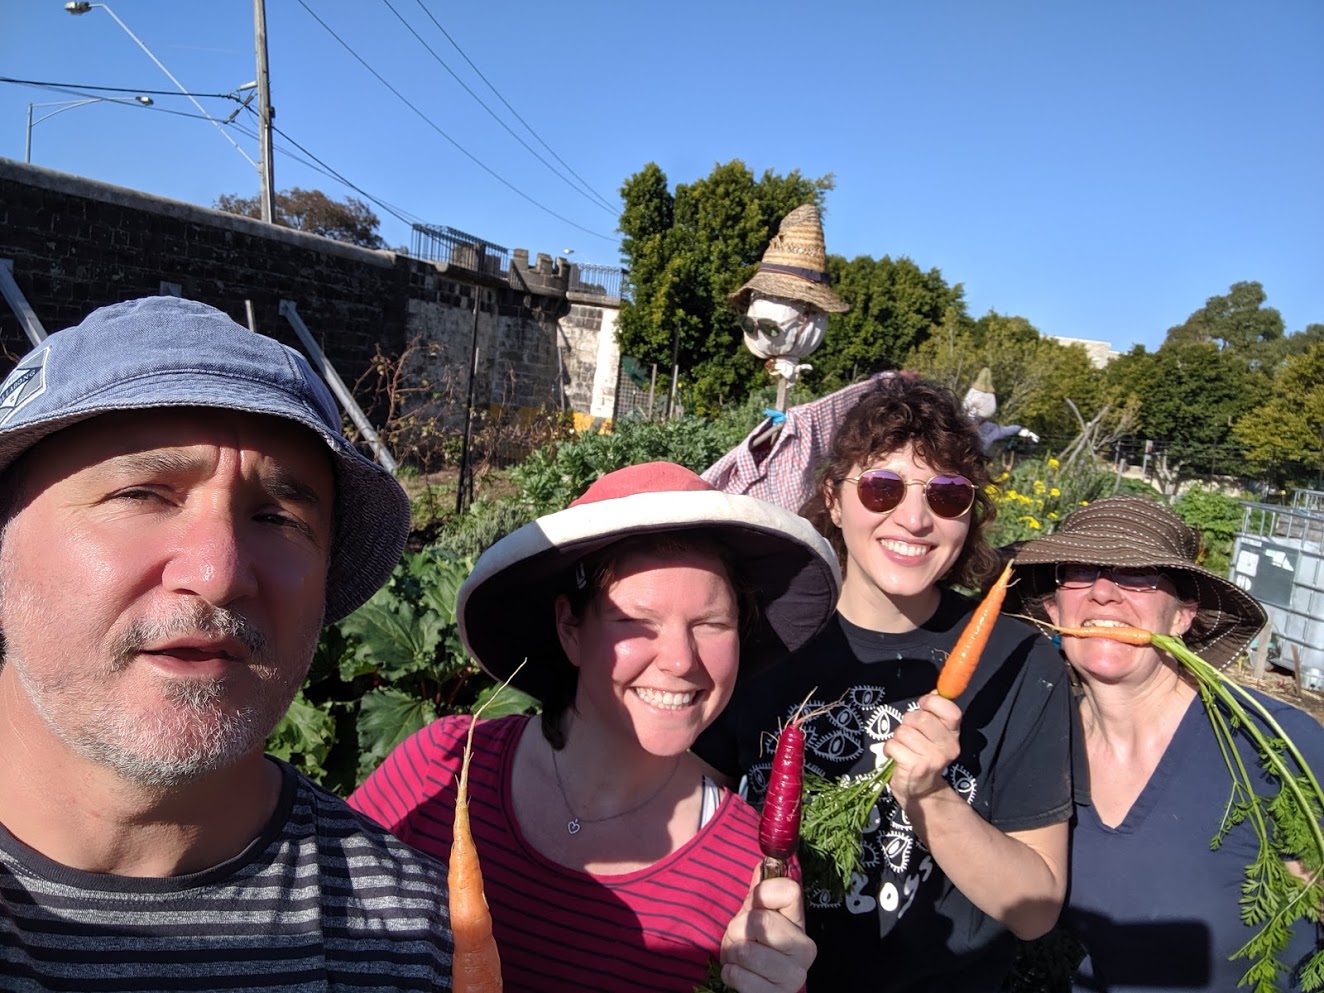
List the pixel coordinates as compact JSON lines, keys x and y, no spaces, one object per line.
{"x":779,"y":824}
{"x":960,"y":664}
{"x":476,"y":967}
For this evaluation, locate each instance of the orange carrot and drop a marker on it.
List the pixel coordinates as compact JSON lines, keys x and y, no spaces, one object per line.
{"x":1126,"y":635}
{"x":960,"y":664}
{"x":476,"y":967}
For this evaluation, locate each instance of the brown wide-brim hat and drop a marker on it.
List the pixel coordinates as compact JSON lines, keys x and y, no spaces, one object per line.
{"x":1134,"y":532}
{"x":794,"y":266}
{"x":506,"y":608}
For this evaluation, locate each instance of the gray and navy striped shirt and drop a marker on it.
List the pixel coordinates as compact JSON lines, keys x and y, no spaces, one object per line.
{"x":323,"y":901}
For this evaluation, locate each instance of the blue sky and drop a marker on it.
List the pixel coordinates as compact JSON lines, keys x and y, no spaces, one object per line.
{"x":1098,"y":168}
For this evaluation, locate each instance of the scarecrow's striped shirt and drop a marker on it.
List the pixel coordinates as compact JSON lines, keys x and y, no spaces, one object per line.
{"x":323,"y":900}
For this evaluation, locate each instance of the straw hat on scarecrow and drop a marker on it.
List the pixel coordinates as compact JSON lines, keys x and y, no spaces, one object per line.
{"x":794,"y":266}
{"x":1135,"y":533}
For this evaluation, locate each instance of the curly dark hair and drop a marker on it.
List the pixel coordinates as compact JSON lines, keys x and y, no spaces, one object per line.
{"x":902,"y":411}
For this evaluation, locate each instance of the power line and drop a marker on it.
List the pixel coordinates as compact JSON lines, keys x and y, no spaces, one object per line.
{"x":589,"y":195}
{"x":464,"y":151}
{"x":43,"y":85}
{"x":327,"y":170}
{"x":506,"y":102}
{"x":317,"y":165}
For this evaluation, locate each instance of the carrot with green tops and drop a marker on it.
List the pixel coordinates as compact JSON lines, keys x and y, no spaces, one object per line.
{"x":476,"y":966}
{"x":836,"y":813}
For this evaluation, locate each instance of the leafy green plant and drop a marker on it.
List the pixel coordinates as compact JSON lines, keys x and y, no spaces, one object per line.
{"x":558,"y":473}
{"x":383,"y":673}
{"x":1217,"y":518}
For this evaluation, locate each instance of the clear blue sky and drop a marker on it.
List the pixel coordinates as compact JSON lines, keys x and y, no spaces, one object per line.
{"x":1098,"y":168}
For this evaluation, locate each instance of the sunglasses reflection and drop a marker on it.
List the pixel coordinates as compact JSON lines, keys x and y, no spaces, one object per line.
{"x":882,"y":491}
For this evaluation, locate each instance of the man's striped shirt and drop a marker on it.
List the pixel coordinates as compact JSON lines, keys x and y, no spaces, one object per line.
{"x":323,"y":900}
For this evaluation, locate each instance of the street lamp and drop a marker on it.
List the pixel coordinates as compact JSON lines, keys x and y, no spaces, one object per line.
{"x":64,"y":105}
{"x":82,"y":7}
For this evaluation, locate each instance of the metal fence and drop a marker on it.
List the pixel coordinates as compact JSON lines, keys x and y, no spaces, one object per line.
{"x":597,"y":280}
{"x":438,"y":243}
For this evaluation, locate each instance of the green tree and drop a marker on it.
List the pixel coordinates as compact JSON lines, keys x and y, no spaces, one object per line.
{"x":894,"y":306}
{"x":1237,"y":322}
{"x":349,"y":220}
{"x":1285,"y":434}
{"x":1191,"y":395}
{"x":1033,"y":376}
{"x":684,"y":252}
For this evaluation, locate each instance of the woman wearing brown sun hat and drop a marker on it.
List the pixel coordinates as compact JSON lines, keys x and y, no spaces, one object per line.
{"x":1155,"y":907}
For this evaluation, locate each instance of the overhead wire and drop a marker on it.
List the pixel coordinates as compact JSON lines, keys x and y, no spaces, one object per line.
{"x":40,"y":84}
{"x":317,"y":164}
{"x":460,"y":148}
{"x":504,"y":101}
{"x":587,"y":193}
{"x":322,"y":167}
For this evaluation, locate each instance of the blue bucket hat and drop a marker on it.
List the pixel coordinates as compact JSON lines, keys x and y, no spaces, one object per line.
{"x":166,"y":352}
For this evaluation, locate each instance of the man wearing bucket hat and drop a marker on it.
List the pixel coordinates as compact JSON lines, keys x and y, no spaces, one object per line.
{"x":179,"y":514}
{"x":1155,"y":907}
{"x":611,"y":861}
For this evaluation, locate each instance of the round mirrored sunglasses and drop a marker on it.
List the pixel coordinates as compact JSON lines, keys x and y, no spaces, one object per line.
{"x":1079,"y":576}
{"x":882,"y":490}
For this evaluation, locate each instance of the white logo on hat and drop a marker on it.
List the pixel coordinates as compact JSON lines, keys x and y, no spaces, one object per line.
{"x":23,"y":385}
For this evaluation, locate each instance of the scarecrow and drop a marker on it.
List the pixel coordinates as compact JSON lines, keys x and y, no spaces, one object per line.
{"x":981,"y":403}
{"x":787,"y":301}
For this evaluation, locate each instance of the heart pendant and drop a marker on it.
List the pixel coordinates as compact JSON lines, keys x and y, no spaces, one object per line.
{"x":572,"y":826}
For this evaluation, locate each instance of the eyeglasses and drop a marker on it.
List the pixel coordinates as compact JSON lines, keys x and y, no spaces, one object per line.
{"x":1078,"y":576}
{"x":760,"y":325}
{"x":882,"y":490}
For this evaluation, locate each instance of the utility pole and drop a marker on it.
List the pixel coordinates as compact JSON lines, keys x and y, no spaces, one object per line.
{"x":264,"y":111}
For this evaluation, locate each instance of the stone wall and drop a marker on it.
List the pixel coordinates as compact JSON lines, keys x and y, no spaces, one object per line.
{"x":77,"y":244}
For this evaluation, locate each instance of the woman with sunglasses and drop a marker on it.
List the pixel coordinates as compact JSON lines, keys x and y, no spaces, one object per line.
{"x":1155,"y":906}
{"x":967,"y":849}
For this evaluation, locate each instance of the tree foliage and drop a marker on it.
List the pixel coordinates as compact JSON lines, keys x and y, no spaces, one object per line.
{"x":1191,"y":394}
{"x":1237,"y":322}
{"x":349,"y":220}
{"x":894,"y":306}
{"x":1286,"y":432}
{"x":684,"y":252}
{"x":1033,"y":376}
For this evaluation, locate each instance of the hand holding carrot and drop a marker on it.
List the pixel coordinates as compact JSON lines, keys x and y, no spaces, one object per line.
{"x":765,"y":948}
{"x":925,"y":744}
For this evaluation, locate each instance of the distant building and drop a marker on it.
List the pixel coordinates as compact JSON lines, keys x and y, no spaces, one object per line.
{"x":1100,"y":352}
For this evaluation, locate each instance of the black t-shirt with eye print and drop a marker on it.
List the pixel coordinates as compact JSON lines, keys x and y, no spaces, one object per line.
{"x":903,"y":926}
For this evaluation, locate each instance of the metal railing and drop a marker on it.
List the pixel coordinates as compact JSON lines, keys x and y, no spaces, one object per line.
{"x":438,"y":243}
{"x":597,"y":280}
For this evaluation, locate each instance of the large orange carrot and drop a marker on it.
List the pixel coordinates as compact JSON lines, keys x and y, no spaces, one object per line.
{"x":476,"y":967}
{"x":960,"y":664}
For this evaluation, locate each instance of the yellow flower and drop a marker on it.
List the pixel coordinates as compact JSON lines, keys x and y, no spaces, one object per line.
{"x":1039,"y":488}
{"x":1054,"y":464}
{"x":1034,"y":525}
{"x":1054,"y":492}
{"x":1084,"y":503}
{"x":1052,"y":515}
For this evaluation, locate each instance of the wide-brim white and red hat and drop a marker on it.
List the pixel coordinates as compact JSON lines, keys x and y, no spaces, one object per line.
{"x":506,"y":608}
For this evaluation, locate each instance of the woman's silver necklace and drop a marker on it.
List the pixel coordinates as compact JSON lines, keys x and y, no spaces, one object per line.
{"x":576,"y":823}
